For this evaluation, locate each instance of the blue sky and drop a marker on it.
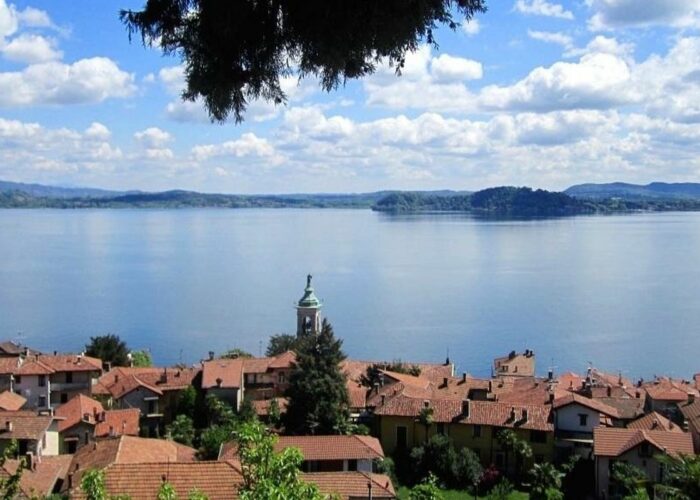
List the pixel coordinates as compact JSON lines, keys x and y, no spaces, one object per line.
{"x":533,"y":92}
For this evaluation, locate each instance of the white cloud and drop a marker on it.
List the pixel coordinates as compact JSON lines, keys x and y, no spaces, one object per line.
{"x":8,"y":19}
{"x":551,"y":37}
{"x":97,"y":131}
{"x":153,"y":137}
{"x":30,"y":49}
{"x":472,"y":27}
{"x":543,"y":8}
{"x":608,"y":14}
{"x":11,"y":19}
{"x":85,"y":81}
{"x":597,"y":81}
{"x":34,"y":18}
{"x":248,"y":145}
{"x":447,"y":68}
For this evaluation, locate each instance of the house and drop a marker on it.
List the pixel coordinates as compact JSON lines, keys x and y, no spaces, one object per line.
{"x":9,"y":401}
{"x":223,"y":378}
{"x":515,"y":365}
{"x":83,"y":419}
{"x":470,"y":424}
{"x":352,"y":485}
{"x":575,"y":419}
{"x":41,"y":477}
{"x":46,"y":381}
{"x":262,"y":407}
{"x":637,"y":447}
{"x":124,"y":450}
{"x":663,"y":395}
{"x":325,"y":453}
{"x":265,"y":378}
{"x":35,"y":433}
{"x":691,"y":417}
{"x":153,"y":391}
{"x":654,"y":422}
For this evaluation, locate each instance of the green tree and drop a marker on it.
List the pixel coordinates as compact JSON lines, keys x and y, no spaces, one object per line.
{"x":519,"y":448}
{"x":281,"y":343}
{"x":166,"y":492}
{"x":195,"y":494}
{"x":270,"y":475}
{"x":274,"y":413}
{"x":435,"y":457}
{"x":629,"y":478}
{"x":236,"y":353}
{"x":93,"y":485}
{"x":467,"y":469}
{"x":141,"y":359}
{"x":427,"y":490}
{"x":318,"y":396}
{"x":237,"y":51}
{"x":546,"y":482}
{"x":682,"y":476}
{"x":109,"y":348}
{"x":186,"y":401}
{"x":181,"y":430}
{"x":211,"y":440}
{"x":9,"y":486}
{"x":426,"y":418}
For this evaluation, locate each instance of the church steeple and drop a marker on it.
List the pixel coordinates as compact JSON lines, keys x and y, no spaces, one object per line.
{"x":308,"y":312}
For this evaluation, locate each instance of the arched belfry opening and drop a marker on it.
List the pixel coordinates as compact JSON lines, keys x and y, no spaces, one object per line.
{"x":308,"y":312}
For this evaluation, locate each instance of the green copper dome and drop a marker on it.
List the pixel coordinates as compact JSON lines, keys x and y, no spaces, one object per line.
{"x":309,"y":299}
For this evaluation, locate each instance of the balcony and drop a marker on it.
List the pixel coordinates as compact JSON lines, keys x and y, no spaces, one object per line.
{"x":72,"y":386}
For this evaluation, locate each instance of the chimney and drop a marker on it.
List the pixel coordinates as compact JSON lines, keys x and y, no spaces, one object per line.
{"x":464,"y":377}
{"x":609,"y":391}
{"x":691,"y":398}
{"x":637,"y":394}
{"x":512,"y":414}
{"x":116,"y":378}
{"x":466,"y":406}
{"x":86,"y":417}
{"x":211,"y":355}
{"x":383,"y":399}
{"x":551,"y":397}
{"x":550,"y":375}
{"x":524,"y":419}
{"x":9,"y":426}
{"x":219,"y":382}
{"x":55,"y":353}
{"x":445,"y":382}
{"x":655,"y":424}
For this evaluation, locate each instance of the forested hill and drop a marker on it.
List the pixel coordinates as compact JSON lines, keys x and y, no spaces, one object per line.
{"x":523,"y":201}
{"x":655,"y":190}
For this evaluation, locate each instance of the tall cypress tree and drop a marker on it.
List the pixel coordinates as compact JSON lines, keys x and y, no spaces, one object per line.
{"x":318,"y":395}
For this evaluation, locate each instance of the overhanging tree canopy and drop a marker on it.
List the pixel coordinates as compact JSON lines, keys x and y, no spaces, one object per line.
{"x":234,"y":51}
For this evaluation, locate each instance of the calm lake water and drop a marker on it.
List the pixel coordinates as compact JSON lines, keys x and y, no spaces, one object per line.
{"x":622,"y":292}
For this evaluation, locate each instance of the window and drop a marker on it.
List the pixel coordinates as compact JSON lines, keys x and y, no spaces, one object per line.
{"x":476,"y":431}
{"x":42,"y":401}
{"x":64,"y":397}
{"x":441,"y":429}
{"x":538,"y":437}
{"x":69,"y":377}
{"x":401,"y":438}
{"x":152,"y":407}
{"x":352,"y":465}
{"x":42,"y":380}
{"x":644,"y":450}
{"x":583,"y":419}
{"x":18,"y":379}
{"x":282,"y":378}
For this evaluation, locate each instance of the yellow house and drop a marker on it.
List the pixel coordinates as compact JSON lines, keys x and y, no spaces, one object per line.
{"x":471,"y":424}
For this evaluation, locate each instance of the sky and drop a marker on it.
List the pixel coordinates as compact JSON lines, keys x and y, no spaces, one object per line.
{"x":533,"y":92}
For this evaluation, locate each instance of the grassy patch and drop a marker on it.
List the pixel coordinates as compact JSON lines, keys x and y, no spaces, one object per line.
{"x":402,"y":494}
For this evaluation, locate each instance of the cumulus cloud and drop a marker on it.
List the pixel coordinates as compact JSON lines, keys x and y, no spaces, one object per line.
{"x":447,"y":68}
{"x":552,"y":37}
{"x":543,"y":8}
{"x":153,"y":137}
{"x":608,"y":14}
{"x":29,"y":48}
{"x":97,"y":131}
{"x":85,"y":81}
{"x":471,"y":27}
{"x":248,"y":145}
{"x":11,"y":19}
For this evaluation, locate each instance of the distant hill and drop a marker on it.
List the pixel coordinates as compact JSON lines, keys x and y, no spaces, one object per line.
{"x":512,"y":201}
{"x":655,"y":190}
{"x":41,"y":190}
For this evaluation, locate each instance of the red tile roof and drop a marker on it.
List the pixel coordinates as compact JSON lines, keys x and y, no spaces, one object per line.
{"x":121,"y":380}
{"x":9,"y":365}
{"x":216,"y":480}
{"x":284,"y":360}
{"x":351,"y":447}
{"x":357,"y":394}
{"x":9,"y":401}
{"x":40,"y":480}
{"x":664,"y":389}
{"x":262,"y":406}
{"x":614,"y":441}
{"x":588,"y":403}
{"x":118,"y":423}
{"x":654,"y":422}
{"x":78,"y":409}
{"x":23,"y":425}
{"x":691,"y":412}
{"x":228,"y":371}
{"x":351,"y":485}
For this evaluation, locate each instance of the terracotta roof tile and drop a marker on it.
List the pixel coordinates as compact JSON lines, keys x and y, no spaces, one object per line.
{"x":333,"y":447}
{"x":664,"y":389}
{"x":593,"y":404}
{"x":654,"y":422}
{"x":357,"y":394}
{"x":434,"y":372}
{"x":217,"y":480}
{"x":119,"y":422}
{"x":40,"y":480}
{"x":121,"y":379}
{"x":284,"y":360}
{"x":351,"y":485}
{"x":23,"y":424}
{"x":9,"y":365}
{"x":691,"y":412}
{"x":262,"y":406}
{"x":68,"y":362}
{"x":228,"y":371}
{"x":614,"y":441}
{"x":9,"y":401}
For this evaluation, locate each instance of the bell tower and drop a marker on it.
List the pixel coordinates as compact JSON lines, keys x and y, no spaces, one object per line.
{"x":308,"y":312}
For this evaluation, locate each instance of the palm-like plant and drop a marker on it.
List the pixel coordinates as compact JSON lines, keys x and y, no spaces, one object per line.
{"x":681,"y":477}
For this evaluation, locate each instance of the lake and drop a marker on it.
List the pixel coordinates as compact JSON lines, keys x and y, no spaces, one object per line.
{"x":622,"y":292}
